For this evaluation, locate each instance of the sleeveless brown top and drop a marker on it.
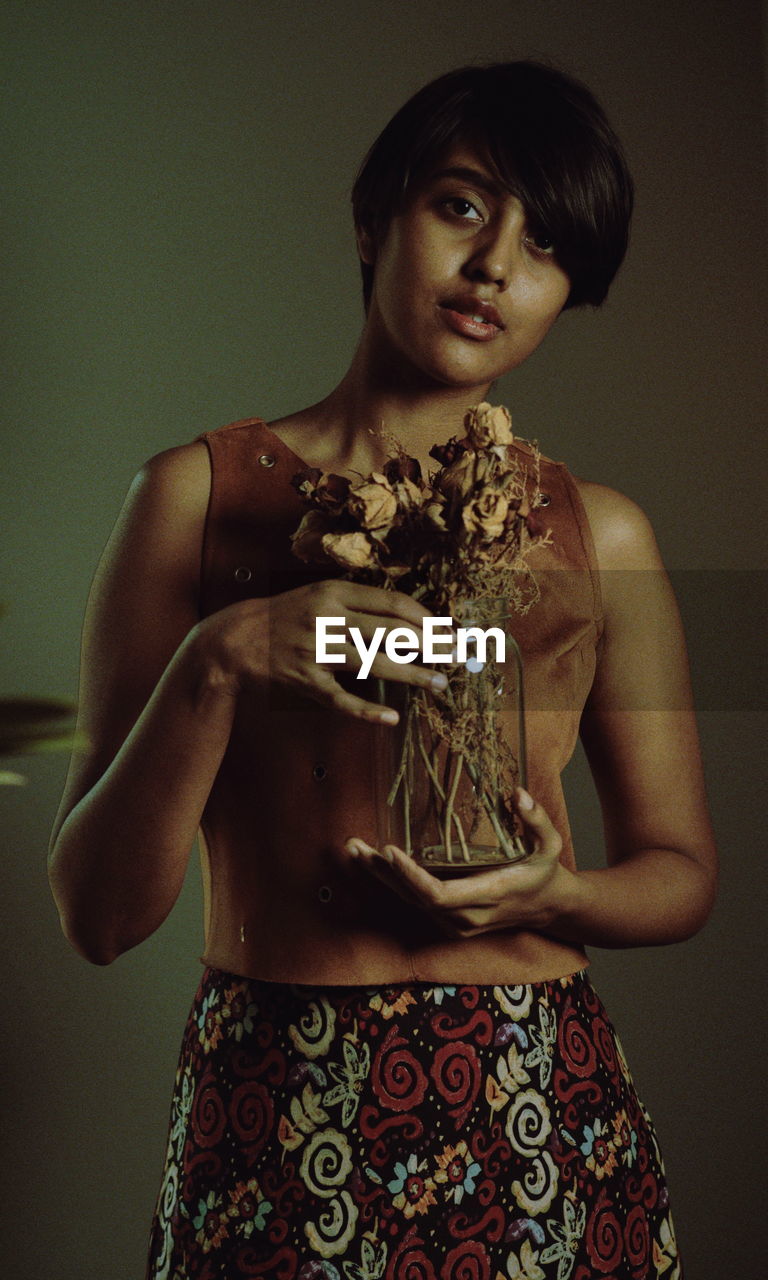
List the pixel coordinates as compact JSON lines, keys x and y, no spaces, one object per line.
{"x":298,"y":779}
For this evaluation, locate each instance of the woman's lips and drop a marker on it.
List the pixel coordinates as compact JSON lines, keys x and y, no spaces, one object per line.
{"x":478,"y":321}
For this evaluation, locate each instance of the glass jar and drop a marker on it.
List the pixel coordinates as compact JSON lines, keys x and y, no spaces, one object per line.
{"x":446,"y":773}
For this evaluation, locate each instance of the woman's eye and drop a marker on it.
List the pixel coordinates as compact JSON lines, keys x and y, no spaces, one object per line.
{"x":540,"y":242}
{"x":463,"y":208}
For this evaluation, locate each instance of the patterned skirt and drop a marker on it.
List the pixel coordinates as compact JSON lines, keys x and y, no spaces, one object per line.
{"x":408,"y":1133}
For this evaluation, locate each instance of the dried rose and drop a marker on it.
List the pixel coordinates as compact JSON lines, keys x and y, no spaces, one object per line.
{"x":459,"y":478}
{"x":435,"y":513}
{"x":373,"y":503}
{"x":325,"y":489}
{"x":403,"y":467}
{"x":395,"y":571}
{"x":305,"y":481}
{"x":307,"y":541}
{"x":447,"y":453}
{"x":408,"y":494}
{"x":332,"y":491}
{"x":352,"y":550}
{"x":488,"y":425}
{"x":485,"y":516}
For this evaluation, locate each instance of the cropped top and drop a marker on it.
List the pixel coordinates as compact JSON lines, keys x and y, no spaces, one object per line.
{"x":297,"y":780}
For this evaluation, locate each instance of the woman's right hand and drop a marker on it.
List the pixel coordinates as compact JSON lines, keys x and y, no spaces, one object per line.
{"x":274,"y":638}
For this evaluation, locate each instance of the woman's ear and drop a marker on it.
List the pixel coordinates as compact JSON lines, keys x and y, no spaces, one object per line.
{"x":365,"y":245}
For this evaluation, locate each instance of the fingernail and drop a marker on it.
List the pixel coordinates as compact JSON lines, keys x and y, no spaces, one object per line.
{"x":387,"y":854}
{"x":439,"y":681}
{"x":388,"y":716}
{"x":524,"y":799}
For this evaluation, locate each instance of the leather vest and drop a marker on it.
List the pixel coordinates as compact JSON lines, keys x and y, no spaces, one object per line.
{"x":297,"y":780}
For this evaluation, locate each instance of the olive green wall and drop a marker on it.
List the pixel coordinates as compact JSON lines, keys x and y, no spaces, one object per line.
{"x":181,"y":255}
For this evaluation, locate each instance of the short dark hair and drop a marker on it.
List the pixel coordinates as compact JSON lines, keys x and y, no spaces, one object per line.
{"x":545,"y":138}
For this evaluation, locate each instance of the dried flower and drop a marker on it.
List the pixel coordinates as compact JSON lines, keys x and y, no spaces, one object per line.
{"x":352,"y":550}
{"x":408,"y":494}
{"x":307,"y":541}
{"x":305,"y":481}
{"x":447,"y":453}
{"x":488,"y":425}
{"x":466,"y":532}
{"x":403,"y":467}
{"x":374,"y":503}
{"x":435,"y":513}
{"x":459,"y":478}
{"x":327,"y":490}
{"x":333,"y":491}
{"x":486,"y":515}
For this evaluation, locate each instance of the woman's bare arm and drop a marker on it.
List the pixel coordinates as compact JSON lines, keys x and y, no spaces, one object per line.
{"x":639,"y":733}
{"x":154,"y":723}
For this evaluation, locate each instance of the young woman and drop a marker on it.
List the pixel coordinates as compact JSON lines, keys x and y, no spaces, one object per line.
{"x":385,"y":1073}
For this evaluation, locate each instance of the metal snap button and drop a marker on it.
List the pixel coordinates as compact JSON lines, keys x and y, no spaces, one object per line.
{"x":267,"y":460}
{"x":319,"y":771}
{"x":544,"y":500}
{"x":325,"y":893}
{"x":243,"y":573}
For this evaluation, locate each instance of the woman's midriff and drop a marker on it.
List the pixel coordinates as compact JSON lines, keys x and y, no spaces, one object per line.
{"x":505,"y":958}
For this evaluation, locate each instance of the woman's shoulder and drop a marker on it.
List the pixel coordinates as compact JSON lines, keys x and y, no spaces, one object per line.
{"x":163,"y":515}
{"x":175,"y":482}
{"x":182,"y":472}
{"x":622,"y":533}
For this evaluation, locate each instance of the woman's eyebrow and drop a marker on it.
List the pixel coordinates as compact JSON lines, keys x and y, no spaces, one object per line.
{"x":465,"y":173}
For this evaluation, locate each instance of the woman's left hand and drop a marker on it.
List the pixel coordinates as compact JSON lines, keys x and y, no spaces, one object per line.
{"x":524,"y":895}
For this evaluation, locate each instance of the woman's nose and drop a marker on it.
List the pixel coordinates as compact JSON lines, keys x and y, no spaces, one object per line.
{"x":495,"y":255}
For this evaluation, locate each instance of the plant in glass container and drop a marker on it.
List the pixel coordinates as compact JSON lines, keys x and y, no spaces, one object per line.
{"x":459,"y":542}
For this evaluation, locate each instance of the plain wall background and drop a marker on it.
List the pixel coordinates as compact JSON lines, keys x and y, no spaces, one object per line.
{"x":181,"y":256}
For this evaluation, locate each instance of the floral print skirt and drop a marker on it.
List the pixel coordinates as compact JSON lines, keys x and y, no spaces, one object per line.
{"x":408,"y":1133}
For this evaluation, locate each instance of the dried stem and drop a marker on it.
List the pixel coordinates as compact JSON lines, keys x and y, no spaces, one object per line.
{"x":457,"y":772}
{"x":407,"y":801}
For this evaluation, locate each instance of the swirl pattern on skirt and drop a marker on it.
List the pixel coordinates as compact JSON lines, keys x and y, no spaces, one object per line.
{"x":408,"y":1133}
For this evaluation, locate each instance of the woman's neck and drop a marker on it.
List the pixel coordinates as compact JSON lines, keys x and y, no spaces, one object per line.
{"x":353,"y":426}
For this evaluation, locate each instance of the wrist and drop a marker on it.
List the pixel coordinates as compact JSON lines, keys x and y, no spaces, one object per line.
{"x":208,"y":666}
{"x":570,"y":896}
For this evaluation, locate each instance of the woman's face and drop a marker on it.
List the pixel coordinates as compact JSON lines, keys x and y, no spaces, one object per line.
{"x":464,"y":288}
